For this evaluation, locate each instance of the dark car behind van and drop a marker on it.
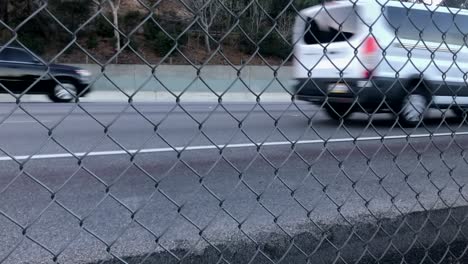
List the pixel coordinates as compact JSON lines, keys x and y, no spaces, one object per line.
{"x":23,"y":73}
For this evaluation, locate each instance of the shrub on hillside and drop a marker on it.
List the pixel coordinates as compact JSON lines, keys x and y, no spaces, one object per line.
{"x":267,"y":44}
{"x":33,"y":42}
{"x":131,"y":20}
{"x":71,"y":13}
{"x":32,"y":35}
{"x":92,"y":41}
{"x":161,"y":42}
{"x":275,"y":45}
{"x":133,"y":42}
{"x":151,"y":30}
{"x":103,"y":27}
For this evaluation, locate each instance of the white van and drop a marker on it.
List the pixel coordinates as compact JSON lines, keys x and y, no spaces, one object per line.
{"x":375,"y":57}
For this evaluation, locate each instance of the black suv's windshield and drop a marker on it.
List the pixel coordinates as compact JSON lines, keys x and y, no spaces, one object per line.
{"x":16,"y":55}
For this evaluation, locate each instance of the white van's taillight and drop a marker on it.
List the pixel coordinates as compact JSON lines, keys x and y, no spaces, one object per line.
{"x":370,"y":57}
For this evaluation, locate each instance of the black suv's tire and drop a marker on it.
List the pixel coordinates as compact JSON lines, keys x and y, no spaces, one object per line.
{"x":338,"y":112}
{"x":413,"y":108}
{"x":64,"y":92}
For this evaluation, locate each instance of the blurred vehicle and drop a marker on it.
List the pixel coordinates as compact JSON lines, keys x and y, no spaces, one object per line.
{"x":23,"y":73}
{"x":374,"y":57}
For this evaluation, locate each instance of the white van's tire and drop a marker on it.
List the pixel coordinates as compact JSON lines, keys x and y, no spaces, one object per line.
{"x":338,"y":112}
{"x":413,"y":108}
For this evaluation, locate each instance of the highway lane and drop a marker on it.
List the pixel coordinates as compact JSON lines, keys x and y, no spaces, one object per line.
{"x":103,"y":127}
{"x":178,"y":196}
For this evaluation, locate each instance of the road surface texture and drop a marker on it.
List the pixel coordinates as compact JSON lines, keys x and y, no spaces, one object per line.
{"x":229,"y":183}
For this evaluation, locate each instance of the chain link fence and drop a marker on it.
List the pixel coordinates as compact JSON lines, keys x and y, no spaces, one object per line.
{"x":362,"y":161}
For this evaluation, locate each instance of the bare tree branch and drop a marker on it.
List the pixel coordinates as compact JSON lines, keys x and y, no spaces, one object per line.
{"x":207,"y":12}
{"x":115,"y":6}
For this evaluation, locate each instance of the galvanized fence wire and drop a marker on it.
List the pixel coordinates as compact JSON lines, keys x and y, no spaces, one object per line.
{"x":198,"y":10}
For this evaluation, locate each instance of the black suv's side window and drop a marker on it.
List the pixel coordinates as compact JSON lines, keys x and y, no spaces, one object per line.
{"x":3,"y":53}
{"x":17,"y":55}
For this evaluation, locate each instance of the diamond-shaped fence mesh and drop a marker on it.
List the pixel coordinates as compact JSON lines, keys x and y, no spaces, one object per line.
{"x":233,"y":131}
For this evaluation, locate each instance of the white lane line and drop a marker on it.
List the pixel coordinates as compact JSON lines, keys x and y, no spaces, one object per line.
{"x":24,"y":121}
{"x":229,"y":146}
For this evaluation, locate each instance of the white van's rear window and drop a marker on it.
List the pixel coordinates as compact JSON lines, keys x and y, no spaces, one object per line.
{"x":329,"y":25}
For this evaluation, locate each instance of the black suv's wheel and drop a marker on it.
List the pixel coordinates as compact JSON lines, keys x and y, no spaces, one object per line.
{"x":413,"y":108}
{"x":64,"y":92}
{"x":338,"y":112}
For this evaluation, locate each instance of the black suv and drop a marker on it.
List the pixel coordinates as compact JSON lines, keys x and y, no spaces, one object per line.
{"x":23,"y":73}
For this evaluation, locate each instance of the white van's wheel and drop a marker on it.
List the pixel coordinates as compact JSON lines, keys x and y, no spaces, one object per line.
{"x":413,"y":109}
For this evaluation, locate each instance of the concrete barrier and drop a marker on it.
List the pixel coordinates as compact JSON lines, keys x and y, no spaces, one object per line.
{"x":240,"y":82}
{"x":119,"y":82}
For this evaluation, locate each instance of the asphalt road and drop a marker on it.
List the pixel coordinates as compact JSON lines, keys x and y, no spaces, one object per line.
{"x":101,"y":202}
